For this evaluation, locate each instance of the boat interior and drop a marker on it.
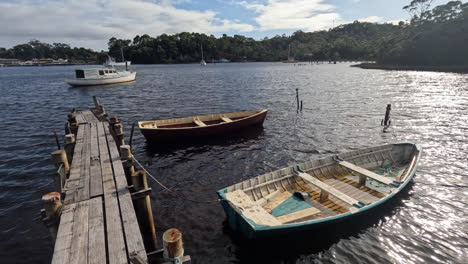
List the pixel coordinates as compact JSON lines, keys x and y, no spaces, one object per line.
{"x":198,"y":121}
{"x":324,"y":187}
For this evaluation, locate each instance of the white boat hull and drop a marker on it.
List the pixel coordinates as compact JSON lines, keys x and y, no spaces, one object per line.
{"x":101,"y":81}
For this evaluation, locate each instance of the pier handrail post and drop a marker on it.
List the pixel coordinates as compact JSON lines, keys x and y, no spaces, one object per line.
{"x":144,"y":211}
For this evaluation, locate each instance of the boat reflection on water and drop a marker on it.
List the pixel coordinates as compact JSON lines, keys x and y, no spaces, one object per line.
{"x":233,"y":137}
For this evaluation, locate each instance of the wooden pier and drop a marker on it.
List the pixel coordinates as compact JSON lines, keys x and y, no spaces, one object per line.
{"x":98,"y":222}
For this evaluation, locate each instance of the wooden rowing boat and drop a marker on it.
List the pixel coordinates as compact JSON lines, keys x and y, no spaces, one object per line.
{"x":319,"y":192}
{"x":199,"y":126}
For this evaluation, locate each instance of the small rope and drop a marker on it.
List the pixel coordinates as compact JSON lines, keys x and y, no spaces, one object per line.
{"x":171,"y":191}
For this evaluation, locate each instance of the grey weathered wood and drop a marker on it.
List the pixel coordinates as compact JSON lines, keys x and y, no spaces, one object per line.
{"x":97,"y":239}
{"x":108,"y":183}
{"x":64,"y":235}
{"x":132,"y":232}
{"x":325,"y":187}
{"x":366,"y":173}
{"x":79,"y":243}
{"x":115,"y":236}
{"x":95,"y":175}
{"x":80,"y":118}
{"x":73,"y":182}
{"x":83,"y":193}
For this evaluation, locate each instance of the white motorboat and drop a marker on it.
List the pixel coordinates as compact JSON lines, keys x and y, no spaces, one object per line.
{"x":100,"y":76}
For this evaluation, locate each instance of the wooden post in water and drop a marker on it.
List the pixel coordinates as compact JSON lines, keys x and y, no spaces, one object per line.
{"x":301,"y":105}
{"x":50,"y":215}
{"x":386,"y":122}
{"x":297,"y":98}
{"x":143,"y":210}
{"x":69,"y":146}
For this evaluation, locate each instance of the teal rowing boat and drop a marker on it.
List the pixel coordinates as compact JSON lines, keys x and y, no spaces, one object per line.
{"x":319,"y":192}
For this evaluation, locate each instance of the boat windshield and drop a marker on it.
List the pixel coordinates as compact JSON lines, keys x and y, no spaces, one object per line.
{"x":79,"y":74}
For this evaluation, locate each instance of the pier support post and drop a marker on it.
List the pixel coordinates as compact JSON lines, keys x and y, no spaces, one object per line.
{"x":173,"y":246}
{"x":127,"y":162}
{"x":96,"y":102}
{"x":58,"y":157}
{"x":69,"y":146}
{"x":50,"y":215}
{"x":118,"y":128}
{"x":73,"y":124}
{"x":144,"y":211}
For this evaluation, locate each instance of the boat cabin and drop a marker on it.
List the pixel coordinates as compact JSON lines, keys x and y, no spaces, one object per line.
{"x":94,"y":73}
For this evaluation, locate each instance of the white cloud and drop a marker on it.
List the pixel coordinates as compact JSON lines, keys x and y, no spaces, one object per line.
{"x":371,"y":19}
{"x":309,"y":15}
{"x":93,"y":22}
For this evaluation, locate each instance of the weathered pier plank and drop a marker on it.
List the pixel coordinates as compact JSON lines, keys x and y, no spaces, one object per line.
{"x":132,"y":233}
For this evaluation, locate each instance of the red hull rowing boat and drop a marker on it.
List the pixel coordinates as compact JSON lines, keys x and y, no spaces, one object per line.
{"x":200,"y":126}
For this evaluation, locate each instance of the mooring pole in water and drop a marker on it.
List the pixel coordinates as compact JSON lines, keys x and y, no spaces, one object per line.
{"x":143,"y":209}
{"x":297,"y":98}
{"x":50,"y":215}
{"x":301,"y":105}
{"x":386,"y":122}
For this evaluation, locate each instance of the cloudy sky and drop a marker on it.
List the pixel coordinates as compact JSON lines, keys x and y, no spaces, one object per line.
{"x":90,"y":23}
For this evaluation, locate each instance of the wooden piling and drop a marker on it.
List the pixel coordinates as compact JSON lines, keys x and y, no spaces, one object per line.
{"x":69,"y":146}
{"x":173,"y":245}
{"x":127,"y":162}
{"x":144,"y":211}
{"x":301,"y":105}
{"x":58,"y":157}
{"x":51,"y":212}
{"x":118,"y":128}
{"x":96,"y":102}
{"x":297,"y":98}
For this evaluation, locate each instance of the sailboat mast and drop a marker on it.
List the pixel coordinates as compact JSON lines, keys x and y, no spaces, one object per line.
{"x":121,"y":53}
{"x":201,"y":47}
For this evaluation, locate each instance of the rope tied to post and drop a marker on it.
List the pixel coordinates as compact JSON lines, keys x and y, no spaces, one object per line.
{"x":168,"y":189}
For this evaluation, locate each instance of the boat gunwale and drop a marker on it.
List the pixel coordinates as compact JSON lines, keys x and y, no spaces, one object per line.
{"x":258,"y":228}
{"x":205,"y":127}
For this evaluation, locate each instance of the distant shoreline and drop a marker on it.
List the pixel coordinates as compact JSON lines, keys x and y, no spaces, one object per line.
{"x":456,"y":69}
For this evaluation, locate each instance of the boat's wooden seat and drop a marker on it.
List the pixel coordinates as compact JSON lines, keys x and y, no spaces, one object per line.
{"x":326,"y":189}
{"x":226,"y":119}
{"x":366,"y":173}
{"x":251,"y":209}
{"x":199,"y":122}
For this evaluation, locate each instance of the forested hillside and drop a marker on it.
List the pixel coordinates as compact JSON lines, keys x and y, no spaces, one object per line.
{"x":434,"y":37}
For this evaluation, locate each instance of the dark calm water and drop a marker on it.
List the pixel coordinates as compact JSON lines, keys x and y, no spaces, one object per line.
{"x":343,"y":106}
